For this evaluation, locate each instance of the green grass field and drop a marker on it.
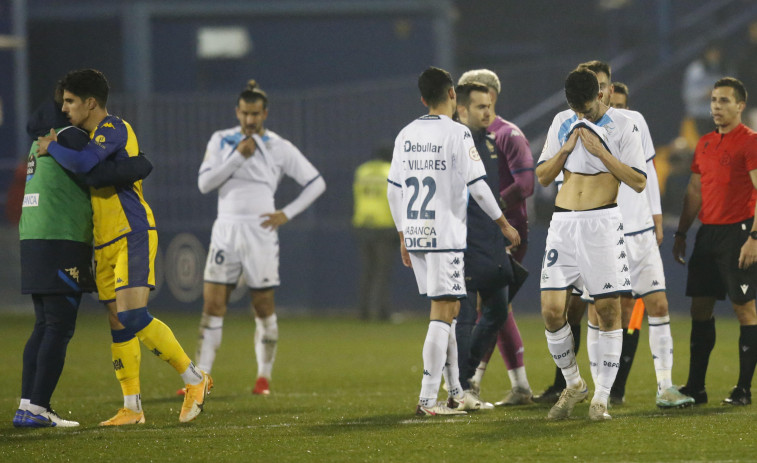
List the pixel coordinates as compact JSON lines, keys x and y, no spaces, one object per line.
{"x":346,"y":390}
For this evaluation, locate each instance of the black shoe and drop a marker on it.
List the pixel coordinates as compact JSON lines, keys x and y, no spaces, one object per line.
{"x":616,"y":400}
{"x":739,"y":396}
{"x":700,"y":397}
{"x":549,"y":396}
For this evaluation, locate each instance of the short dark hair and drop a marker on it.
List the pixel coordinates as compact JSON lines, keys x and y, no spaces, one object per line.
{"x":86,"y":83}
{"x":581,"y":87}
{"x":253,"y":93}
{"x":463,"y":92}
{"x":739,"y":91}
{"x":433,"y":84}
{"x":597,"y":66}
{"x":621,"y":88}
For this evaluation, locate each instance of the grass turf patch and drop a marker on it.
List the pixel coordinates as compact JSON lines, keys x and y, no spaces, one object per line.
{"x":345,"y":390}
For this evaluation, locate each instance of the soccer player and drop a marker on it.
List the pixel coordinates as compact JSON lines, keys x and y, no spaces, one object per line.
{"x":56,"y":255}
{"x":435,"y":166}
{"x":245,"y":164}
{"x":125,"y":241}
{"x":721,"y":192}
{"x":642,"y":229}
{"x":596,"y":148}
{"x":516,"y":183}
{"x":488,"y":271}
{"x":619,"y":95}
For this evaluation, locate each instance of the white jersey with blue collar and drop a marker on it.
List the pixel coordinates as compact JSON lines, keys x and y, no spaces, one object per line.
{"x":619,"y":133}
{"x":246,"y":186}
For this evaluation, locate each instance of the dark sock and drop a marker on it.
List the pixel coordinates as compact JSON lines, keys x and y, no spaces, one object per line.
{"x":60,"y":320}
{"x":630,"y":342}
{"x":701,"y":343}
{"x":31,"y":350}
{"x":484,"y":334}
{"x":747,"y":356}
{"x":466,"y":320}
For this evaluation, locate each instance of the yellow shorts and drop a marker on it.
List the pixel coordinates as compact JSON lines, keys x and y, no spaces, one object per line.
{"x":128,"y":262}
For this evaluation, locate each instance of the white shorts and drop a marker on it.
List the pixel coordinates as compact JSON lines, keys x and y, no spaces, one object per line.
{"x":439,"y":274}
{"x":240,"y":248}
{"x":647,"y":275}
{"x":586,"y":248}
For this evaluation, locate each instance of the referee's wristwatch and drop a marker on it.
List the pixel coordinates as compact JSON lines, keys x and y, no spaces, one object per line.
{"x":753,"y":234}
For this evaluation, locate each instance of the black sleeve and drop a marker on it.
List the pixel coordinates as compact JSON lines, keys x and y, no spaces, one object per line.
{"x":118,"y":173}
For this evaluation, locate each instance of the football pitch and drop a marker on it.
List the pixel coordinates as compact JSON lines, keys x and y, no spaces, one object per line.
{"x":346,"y":390}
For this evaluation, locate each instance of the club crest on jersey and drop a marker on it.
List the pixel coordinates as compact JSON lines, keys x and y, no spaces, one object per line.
{"x":473,"y":153}
{"x":100,"y":140}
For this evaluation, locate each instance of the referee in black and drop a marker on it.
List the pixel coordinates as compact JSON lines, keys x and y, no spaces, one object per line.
{"x":722,"y":192}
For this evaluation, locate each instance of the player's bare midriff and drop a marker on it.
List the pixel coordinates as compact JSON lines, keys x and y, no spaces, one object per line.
{"x":581,"y":192}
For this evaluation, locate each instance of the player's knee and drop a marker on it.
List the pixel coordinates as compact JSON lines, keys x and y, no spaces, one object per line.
{"x":135,"y":320}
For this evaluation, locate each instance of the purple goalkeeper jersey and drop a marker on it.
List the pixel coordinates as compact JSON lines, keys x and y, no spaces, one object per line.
{"x":516,"y":166}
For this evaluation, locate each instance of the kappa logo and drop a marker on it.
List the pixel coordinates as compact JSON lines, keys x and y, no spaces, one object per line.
{"x":108,"y":124}
{"x":620,"y":227}
{"x":456,"y":261}
{"x":456,"y":287}
{"x":426,"y":373}
{"x":119,"y":280}
{"x":118,"y":364}
{"x":456,"y":275}
{"x":655,"y":283}
{"x":74,"y":272}
{"x":622,"y":241}
{"x":624,"y":269}
{"x":622,"y":255}
{"x":467,"y":135}
{"x":627,"y":282}
{"x":544,"y":276}
{"x":635,"y":129}
{"x":744,"y":288}
{"x":607,"y":286}
{"x":744,"y":348}
{"x":156,"y":352}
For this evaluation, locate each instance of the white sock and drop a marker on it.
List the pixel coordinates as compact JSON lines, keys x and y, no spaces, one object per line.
{"x":133,"y":402}
{"x":451,"y":370}
{"x":661,"y":345}
{"x":266,"y":338}
{"x":191,"y":375}
{"x":36,"y":409}
{"x":560,"y":344}
{"x":478,"y":376}
{"x":592,"y":337}
{"x":209,"y":339}
{"x":434,"y":356}
{"x":24,"y":404}
{"x":609,"y":346}
{"x":518,"y":378}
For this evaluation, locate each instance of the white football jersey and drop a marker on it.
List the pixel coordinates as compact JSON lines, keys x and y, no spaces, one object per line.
{"x":636,"y":208}
{"x":433,"y":163}
{"x":620,"y":135}
{"x":246,"y":187}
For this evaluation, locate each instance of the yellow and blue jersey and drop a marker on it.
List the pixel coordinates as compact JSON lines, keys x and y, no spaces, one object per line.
{"x":117,"y":211}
